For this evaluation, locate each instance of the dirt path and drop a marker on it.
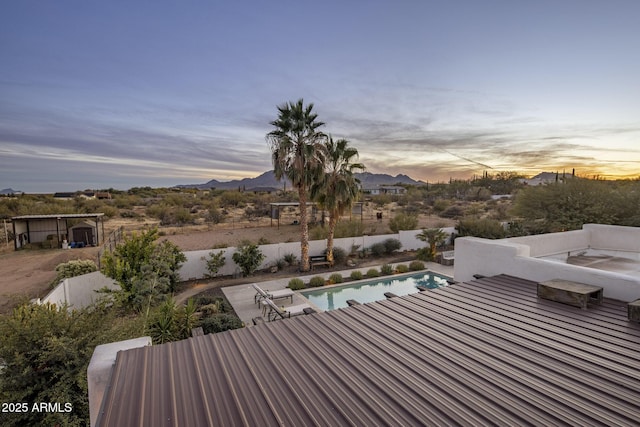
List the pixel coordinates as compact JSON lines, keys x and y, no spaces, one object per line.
{"x":28,"y":274}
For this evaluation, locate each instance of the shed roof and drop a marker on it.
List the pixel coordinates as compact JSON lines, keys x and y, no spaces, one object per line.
{"x":54,"y":216}
{"x":487,"y":352}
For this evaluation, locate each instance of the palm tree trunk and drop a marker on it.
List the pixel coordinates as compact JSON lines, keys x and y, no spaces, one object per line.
{"x":333,"y":220}
{"x":304,"y":230}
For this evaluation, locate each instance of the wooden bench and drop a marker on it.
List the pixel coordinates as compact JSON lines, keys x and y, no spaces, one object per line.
{"x":318,"y":260}
{"x":568,"y":292}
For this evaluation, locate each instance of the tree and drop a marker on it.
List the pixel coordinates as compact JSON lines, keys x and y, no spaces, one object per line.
{"x":337,"y":188}
{"x":434,"y":237}
{"x":146,"y":271}
{"x":46,"y":349}
{"x":298,"y":155}
{"x":248,"y":257}
{"x":215,"y":261}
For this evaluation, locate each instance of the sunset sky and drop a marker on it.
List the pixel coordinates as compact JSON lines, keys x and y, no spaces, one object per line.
{"x":99,"y":94}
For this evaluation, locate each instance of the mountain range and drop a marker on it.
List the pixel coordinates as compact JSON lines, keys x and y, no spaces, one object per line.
{"x":268,"y":179}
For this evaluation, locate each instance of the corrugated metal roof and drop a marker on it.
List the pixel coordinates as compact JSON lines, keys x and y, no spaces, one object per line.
{"x":54,"y":216}
{"x":488,"y":352}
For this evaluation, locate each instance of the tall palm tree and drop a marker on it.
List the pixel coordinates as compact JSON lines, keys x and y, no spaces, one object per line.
{"x":298,"y":154}
{"x":338,"y":188}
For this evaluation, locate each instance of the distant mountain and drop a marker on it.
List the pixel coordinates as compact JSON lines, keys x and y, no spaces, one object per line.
{"x":9,"y":191}
{"x":268,"y":179}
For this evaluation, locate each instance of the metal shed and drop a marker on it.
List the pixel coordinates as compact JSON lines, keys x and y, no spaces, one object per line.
{"x":51,"y":230}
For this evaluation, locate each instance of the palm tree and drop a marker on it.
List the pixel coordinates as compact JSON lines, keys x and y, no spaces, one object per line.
{"x":338,"y":188}
{"x":434,"y":237}
{"x":298,"y":155}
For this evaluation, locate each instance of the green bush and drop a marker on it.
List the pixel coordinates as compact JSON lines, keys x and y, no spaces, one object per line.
{"x":215,"y":261}
{"x":74,"y":268}
{"x":424,"y":254}
{"x":392,"y":245}
{"x":348,"y":229}
{"x":378,"y":249}
{"x":296,"y":284}
{"x":416,"y":265}
{"x":335,"y":278}
{"x":248,"y":257}
{"x":220,"y":322}
{"x":316,"y":281}
{"x":356,"y":275}
{"x":373,"y":273}
{"x":290,"y":259}
{"x":339,"y":255}
{"x":402,"y":268}
{"x":386,"y":269}
{"x":403,"y":222}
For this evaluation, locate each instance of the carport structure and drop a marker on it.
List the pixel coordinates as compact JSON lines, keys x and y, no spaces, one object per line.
{"x":53,"y":229}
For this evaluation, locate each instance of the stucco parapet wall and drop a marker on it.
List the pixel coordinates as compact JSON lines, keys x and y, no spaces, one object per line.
{"x":614,"y":237}
{"x":100,"y":367}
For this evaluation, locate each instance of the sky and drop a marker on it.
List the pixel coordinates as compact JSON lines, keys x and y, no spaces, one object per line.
{"x":117,"y":94}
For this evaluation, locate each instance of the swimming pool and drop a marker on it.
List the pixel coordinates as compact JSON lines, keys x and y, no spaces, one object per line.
{"x":336,"y":296}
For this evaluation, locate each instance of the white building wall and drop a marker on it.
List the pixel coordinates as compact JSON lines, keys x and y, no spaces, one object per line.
{"x":80,"y":291}
{"x":516,"y":257}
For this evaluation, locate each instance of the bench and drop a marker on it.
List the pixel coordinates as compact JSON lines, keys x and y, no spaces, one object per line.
{"x":568,"y":292}
{"x":319,"y":260}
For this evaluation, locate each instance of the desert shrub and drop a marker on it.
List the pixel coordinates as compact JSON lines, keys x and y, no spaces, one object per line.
{"x":378,"y":249}
{"x":290,"y":259}
{"x":485,"y":228}
{"x":339,"y":255}
{"x":215,"y":261}
{"x":248,"y":257}
{"x":402,"y":268}
{"x":386,"y":269}
{"x":356,"y":275}
{"x":280,"y":263}
{"x":440,"y":205}
{"x":416,"y":265}
{"x":74,"y":268}
{"x":348,"y":229}
{"x":214,"y":215}
{"x":318,"y":233}
{"x":403,"y":221}
{"x":372,"y":272}
{"x":316,"y":281}
{"x":296,"y":284}
{"x":424,"y":254}
{"x":335,"y":278}
{"x":263,"y":241}
{"x":220,"y":322}
{"x":215,"y":307}
{"x":232,"y":199}
{"x":392,"y":245}
{"x":454,"y":211}
{"x":203,"y":300}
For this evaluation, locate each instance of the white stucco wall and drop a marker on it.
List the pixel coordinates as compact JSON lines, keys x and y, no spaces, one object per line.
{"x":79,"y":291}
{"x":195,"y":267}
{"x":516,"y":257}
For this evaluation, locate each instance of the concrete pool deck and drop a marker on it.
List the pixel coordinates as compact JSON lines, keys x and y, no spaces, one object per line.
{"x":241,"y":297}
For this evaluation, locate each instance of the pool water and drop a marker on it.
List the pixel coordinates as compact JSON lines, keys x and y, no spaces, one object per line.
{"x":374,"y":290}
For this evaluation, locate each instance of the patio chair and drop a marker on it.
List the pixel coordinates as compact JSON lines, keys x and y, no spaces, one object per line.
{"x":273,"y":295}
{"x":276,"y":312}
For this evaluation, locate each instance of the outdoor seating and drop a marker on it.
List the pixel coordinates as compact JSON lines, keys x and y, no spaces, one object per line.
{"x":273,"y":295}
{"x":276,"y":312}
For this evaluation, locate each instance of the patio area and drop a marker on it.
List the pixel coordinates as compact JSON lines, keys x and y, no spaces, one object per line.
{"x":241,"y":297}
